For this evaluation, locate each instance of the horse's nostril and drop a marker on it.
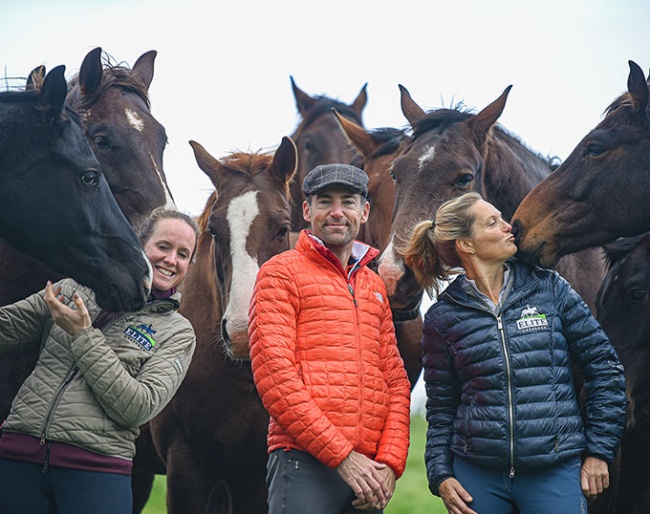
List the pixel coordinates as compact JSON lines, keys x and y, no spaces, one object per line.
{"x":224,"y":332}
{"x":517,"y":230}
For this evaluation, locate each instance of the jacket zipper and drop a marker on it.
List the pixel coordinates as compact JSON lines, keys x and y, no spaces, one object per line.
{"x":359,"y":349}
{"x":511,"y":414}
{"x":55,"y":401}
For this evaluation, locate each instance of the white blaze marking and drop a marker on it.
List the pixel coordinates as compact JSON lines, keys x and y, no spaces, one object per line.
{"x":426,"y":156}
{"x":169,"y":202}
{"x":242,"y":211}
{"x":134,"y":120}
{"x":390,"y":268}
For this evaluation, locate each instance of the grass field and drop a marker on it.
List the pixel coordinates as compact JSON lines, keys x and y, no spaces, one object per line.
{"x":412,"y":495}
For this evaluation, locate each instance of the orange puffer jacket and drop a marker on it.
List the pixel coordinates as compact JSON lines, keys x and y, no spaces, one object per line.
{"x":325,"y":359}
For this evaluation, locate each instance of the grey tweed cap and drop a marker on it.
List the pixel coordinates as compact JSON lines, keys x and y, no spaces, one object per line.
{"x":327,"y":175}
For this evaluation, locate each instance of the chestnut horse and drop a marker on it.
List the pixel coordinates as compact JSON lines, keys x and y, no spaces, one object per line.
{"x":623,"y":307}
{"x":379,"y":148}
{"x":320,"y":141}
{"x":451,"y":152}
{"x":212,"y":435}
{"x":600,"y":192}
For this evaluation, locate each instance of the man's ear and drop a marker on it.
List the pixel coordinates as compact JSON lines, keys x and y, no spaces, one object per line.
{"x":306,"y":214}
{"x":365,"y":211}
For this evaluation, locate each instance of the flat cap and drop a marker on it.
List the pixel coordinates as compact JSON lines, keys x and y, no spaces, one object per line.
{"x":328,"y":175}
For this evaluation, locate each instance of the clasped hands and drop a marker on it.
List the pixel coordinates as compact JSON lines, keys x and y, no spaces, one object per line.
{"x":373,"y":483}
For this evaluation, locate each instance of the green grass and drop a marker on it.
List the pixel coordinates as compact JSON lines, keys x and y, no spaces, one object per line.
{"x":411,"y":493}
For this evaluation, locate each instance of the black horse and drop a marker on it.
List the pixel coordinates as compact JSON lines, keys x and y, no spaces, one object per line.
{"x":623,"y":306}
{"x":55,"y":203}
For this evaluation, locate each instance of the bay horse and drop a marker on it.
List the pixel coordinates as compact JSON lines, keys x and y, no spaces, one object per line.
{"x":623,"y":309}
{"x":453,"y":151}
{"x":600,"y":192}
{"x":55,"y":204}
{"x":379,"y":147}
{"x":212,"y":435}
{"x":319,"y":140}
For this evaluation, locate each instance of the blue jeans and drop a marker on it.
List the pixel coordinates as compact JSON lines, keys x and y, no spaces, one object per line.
{"x":26,"y":489}
{"x":555,"y":490}
{"x":299,"y":483}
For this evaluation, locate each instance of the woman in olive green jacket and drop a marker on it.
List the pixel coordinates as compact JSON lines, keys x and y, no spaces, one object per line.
{"x":69,"y":440}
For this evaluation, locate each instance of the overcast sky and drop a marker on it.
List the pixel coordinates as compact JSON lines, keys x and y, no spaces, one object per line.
{"x":222,"y":71}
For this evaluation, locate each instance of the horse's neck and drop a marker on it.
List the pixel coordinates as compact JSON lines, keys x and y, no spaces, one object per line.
{"x":511,"y":170}
{"x":21,"y":275}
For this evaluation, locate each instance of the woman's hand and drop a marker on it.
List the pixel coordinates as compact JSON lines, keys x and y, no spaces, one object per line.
{"x":455,"y":497}
{"x":594,"y":476}
{"x":72,"y":321}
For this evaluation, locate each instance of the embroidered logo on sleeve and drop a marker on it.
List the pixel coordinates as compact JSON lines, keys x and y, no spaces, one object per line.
{"x":379,"y":296}
{"x":142,"y":335}
{"x":531,"y":319}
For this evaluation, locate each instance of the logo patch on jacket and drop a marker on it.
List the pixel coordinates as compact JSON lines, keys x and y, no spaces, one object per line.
{"x":379,"y":296}
{"x":531,"y":319}
{"x":142,"y":335}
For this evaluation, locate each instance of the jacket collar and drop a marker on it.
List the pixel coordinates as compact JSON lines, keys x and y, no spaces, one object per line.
{"x":362,"y":253}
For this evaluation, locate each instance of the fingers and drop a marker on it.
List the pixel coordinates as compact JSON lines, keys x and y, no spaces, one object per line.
{"x":455,"y":497}
{"x":594,"y":476}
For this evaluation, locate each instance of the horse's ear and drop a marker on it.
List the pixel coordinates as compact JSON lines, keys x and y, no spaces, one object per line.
{"x":54,"y":89}
{"x":285,"y":162}
{"x":143,"y":67}
{"x":357,"y":135}
{"x":483,"y":121}
{"x":35,"y":78}
{"x":304,"y":102}
{"x":91,"y":72}
{"x":411,"y":111}
{"x":211,"y":166}
{"x":638,"y":89}
{"x":360,"y":101}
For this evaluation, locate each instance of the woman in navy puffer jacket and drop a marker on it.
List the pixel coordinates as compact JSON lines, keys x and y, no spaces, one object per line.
{"x":503,"y":413}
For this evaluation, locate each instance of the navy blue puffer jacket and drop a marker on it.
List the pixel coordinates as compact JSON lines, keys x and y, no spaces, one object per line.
{"x":500,"y":389}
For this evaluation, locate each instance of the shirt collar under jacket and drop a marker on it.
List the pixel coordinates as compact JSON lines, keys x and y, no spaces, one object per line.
{"x":472,"y":289}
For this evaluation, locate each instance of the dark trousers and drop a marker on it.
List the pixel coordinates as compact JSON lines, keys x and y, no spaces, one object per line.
{"x":300,"y":484}
{"x":555,"y":490}
{"x":26,"y":489}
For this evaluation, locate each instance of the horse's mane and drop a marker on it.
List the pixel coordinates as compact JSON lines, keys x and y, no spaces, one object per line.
{"x":249,"y":164}
{"x":114,"y":75}
{"x":21,"y":96}
{"x":441,"y":119}
{"x":391,"y":139}
{"x":324,"y":105}
{"x":619,"y":248}
{"x":204,"y":218}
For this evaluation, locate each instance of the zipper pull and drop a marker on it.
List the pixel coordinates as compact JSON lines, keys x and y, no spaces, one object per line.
{"x":512,"y":473}
{"x":42,"y":438}
{"x":499,"y":322}
{"x":352,"y":293}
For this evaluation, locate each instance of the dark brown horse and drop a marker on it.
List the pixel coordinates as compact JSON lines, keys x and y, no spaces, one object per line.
{"x":212,"y":436}
{"x":453,"y":151}
{"x":379,"y":148}
{"x":623,"y":308}
{"x":319,"y":140}
{"x":601,"y":191}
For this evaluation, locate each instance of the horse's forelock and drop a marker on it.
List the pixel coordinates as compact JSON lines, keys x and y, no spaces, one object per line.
{"x":113,"y":76}
{"x":248,"y":164}
{"x":324,"y":105}
{"x":439,"y":120}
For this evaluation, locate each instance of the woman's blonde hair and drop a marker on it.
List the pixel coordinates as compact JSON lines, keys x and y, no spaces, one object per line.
{"x":431,"y":251}
{"x":161,"y":213}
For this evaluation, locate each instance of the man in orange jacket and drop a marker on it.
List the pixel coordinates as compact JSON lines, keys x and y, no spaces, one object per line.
{"x":325,"y":360}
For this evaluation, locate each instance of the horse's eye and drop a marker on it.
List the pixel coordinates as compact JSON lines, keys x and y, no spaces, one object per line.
{"x":90,"y":178}
{"x":102,"y":142}
{"x":392,"y":175}
{"x":283,"y":232}
{"x":637,"y":295}
{"x":214,"y":235}
{"x":464,"y":180}
{"x":595,"y":150}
